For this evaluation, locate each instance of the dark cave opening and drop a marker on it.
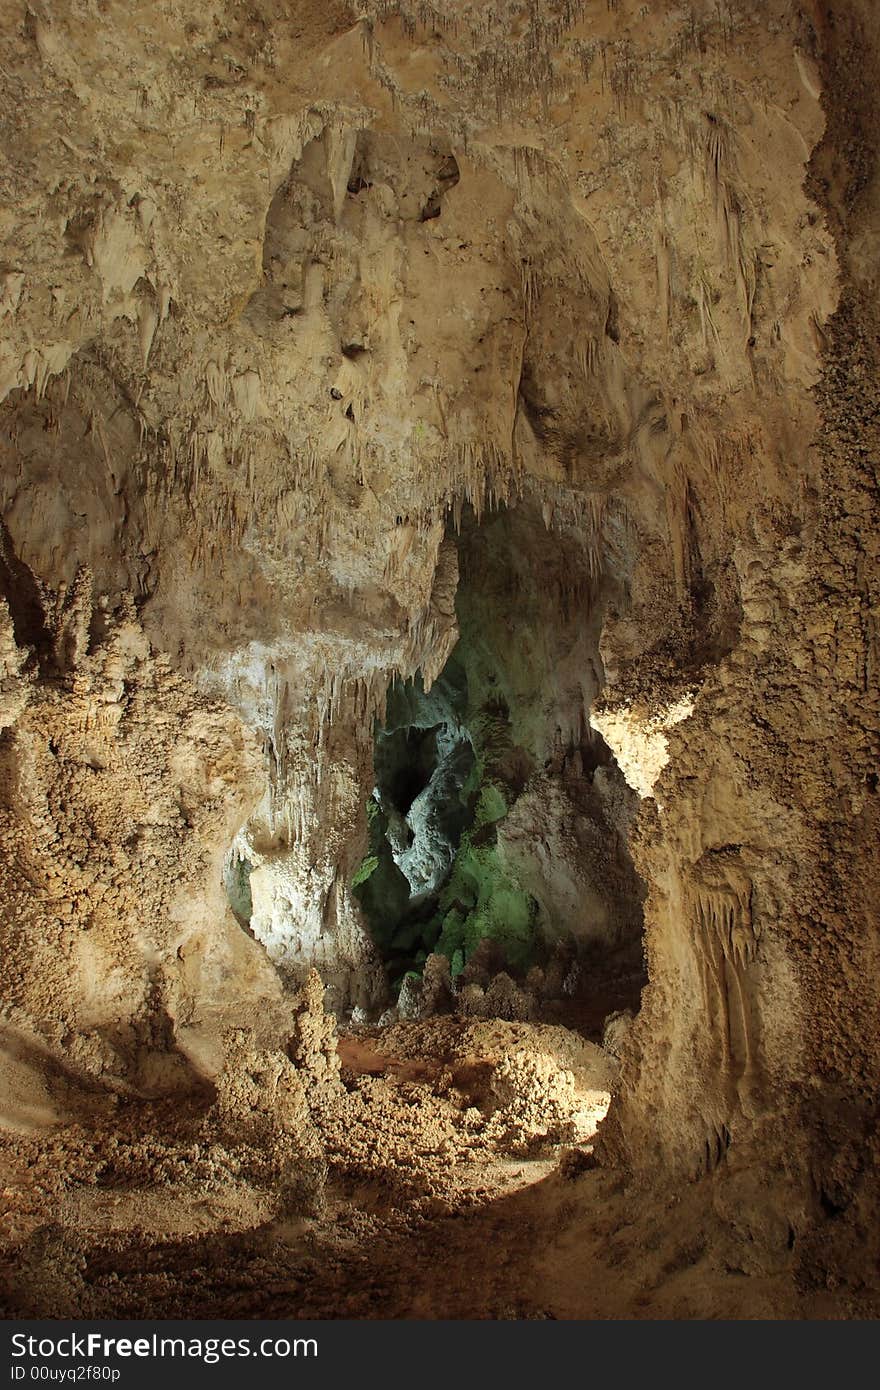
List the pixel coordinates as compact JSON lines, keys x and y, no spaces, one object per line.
{"x":498,"y":824}
{"x":421,"y":804}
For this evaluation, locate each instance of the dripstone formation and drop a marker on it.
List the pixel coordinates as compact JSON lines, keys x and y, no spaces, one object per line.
{"x":438,"y":592}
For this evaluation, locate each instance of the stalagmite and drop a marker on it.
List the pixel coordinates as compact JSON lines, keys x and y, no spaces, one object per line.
{"x":437,"y":601}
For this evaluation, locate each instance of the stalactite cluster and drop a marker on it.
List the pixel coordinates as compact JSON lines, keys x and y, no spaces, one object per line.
{"x":347,"y":353}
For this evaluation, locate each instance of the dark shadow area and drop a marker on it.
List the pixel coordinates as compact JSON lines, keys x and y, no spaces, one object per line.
{"x":499,"y":821}
{"x":421,"y":805}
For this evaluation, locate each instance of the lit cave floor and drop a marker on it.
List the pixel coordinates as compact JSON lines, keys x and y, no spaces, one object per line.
{"x":460,"y":1185}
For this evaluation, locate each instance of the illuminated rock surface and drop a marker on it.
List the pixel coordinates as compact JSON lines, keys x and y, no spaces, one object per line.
{"x":517,"y":360}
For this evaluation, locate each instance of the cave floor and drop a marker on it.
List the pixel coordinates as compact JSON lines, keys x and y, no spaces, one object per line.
{"x":455,"y":1190}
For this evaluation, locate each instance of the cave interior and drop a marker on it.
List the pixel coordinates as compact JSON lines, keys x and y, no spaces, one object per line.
{"x":439,"y":719}
{"x":451,"y":861}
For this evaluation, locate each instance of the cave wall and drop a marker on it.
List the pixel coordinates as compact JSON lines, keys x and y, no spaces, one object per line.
{"x":280,"y":294}
{"x":121,"y":788}
{"x":762,"y":948}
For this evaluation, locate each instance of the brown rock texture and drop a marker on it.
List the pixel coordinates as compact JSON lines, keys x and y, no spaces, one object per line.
{"x":333,"y":336}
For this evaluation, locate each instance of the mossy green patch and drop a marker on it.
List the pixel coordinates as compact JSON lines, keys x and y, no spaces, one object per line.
{"x":368,"y":866}
{"x":482,"y":900}
{"x":491,"y":805}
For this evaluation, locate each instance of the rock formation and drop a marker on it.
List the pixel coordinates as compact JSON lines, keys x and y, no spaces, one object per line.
{"x":483,"y":393}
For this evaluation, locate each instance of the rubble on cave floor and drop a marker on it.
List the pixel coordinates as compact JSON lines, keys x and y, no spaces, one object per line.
{"x":109,"y":1214}
{"x":460,"y":1182}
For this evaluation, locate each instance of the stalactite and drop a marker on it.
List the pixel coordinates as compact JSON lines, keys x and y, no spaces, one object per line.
{"x":726,"y":946}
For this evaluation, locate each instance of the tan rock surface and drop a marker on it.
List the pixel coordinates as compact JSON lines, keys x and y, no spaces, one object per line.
{"x":292,"y":299}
